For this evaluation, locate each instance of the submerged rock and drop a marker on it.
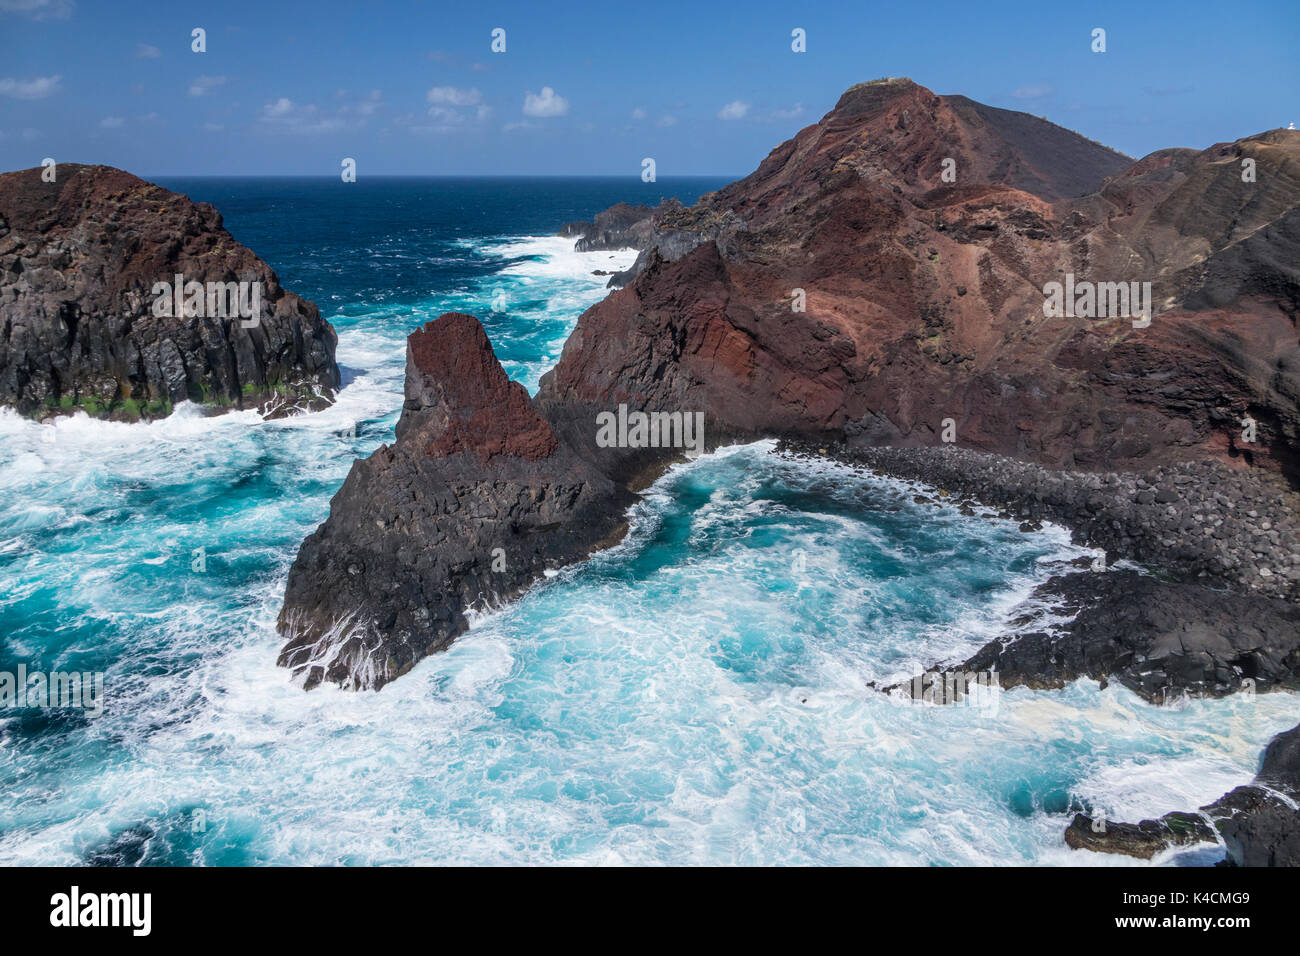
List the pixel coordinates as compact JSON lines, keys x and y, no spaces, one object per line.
{"x":81,"y":260}
{"x":1258,"y":825}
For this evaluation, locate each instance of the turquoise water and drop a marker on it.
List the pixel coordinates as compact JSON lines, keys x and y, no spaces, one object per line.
{"x":697,"y":694}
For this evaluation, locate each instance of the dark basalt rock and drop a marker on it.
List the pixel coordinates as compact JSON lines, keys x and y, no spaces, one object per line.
{"x":78,"y":261}
{"x":663,"y":233}
{"x":1258,"y":825}
{"x":1157,"y":638}
{"x":621,"y":226}
{"x":472,"y":503}
{"x":1142,"y":840}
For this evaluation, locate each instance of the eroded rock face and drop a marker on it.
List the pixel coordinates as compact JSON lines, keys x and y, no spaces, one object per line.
{"x":621,"y":226}
{"x":475,"y":500}
{"x":79,"y":259}
{"x":924,"y":299}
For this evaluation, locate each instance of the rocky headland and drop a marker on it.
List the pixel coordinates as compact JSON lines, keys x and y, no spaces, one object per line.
{"x":876,"y":291}
{"x":80,"y":329}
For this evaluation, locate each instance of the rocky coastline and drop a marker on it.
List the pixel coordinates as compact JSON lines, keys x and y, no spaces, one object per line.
{"x":1196,"y":621}
{"x":844,"y":299}
{"x":1198,"y":521}
{"x":1257,"y":824}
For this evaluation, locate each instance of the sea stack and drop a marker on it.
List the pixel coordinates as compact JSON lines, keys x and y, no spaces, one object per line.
{"x":121,"y":299}
{"x":474,"y":500}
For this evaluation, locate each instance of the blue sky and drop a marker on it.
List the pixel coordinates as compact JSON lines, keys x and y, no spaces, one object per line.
{"x":409,"y":87}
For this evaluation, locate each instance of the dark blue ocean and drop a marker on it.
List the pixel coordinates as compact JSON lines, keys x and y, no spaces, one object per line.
{"x":696,"y":695}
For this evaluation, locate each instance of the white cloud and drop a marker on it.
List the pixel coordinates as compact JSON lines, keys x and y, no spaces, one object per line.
{"x":112,"y":122}
{"x":638,"y":113}
{"x":38,"y":9}
{"x":280,"y":108}
{"x":1032,"y":92}
{"x":203,"y":85}
{"x":544,"y":104}
{"x":454,"y":96}
{"x":34,"y":89}
{"x":212,"y":127}
{"x":371,"y":104}
{"x":666,"y":120}
{"x":793,"y":113}
{"x":453,"y":108}
{"x":284,"y":114}
{"x":146,"y":51}
{"x":734,"y":110}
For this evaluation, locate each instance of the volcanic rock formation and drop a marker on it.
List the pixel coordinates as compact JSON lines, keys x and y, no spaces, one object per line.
{"x":846,"y":293}
{"x":923,"y":300}
{"x":79,"y":259}
{"x":621,"y":226}
{"x":1258,"y":824}
{"x":474,"y":500}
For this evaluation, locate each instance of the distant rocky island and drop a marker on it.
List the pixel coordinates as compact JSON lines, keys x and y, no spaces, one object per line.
{"x":120,"y":299}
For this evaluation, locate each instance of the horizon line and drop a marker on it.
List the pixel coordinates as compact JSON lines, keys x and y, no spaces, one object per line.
{"x":633,"y":176}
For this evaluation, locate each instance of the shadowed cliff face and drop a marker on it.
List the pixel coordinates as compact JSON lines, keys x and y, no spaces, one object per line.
{"x":474,"y":500}
{"x":80,"y":257}
{"x":923,"y":300}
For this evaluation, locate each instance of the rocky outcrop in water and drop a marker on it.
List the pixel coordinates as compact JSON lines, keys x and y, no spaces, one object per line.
{"x":1160,"y":639}
{"x":621,"y":226}
{"x":474,"y":500}
{"x":80,"y":322}
{"x":1258,"y":824}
